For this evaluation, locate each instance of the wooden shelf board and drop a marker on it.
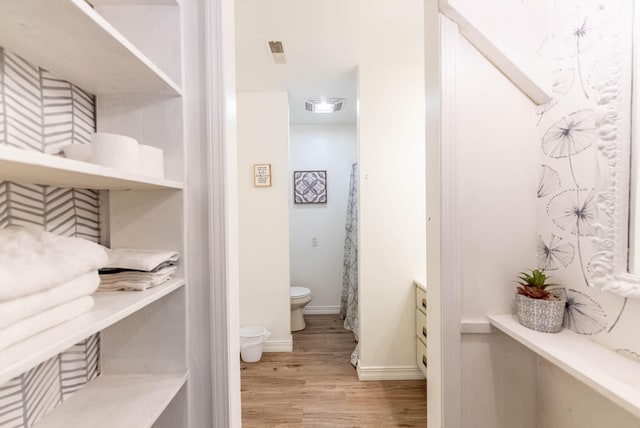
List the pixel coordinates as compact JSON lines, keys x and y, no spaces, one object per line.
{"x":39,"y":168}
{"x":110,"y":308}
{"x":611,"y":374}
{"x":70,"y":39}
{"x":116,"y":401}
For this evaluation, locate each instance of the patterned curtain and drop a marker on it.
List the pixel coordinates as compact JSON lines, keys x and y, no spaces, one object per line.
{"x":349,"y":301}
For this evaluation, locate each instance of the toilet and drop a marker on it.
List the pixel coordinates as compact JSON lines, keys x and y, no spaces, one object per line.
{"x":300,"y":297}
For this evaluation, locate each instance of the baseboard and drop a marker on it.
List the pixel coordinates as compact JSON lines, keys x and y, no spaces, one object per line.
{"x":285,"y":345}
{"x":321,"y":310}
{"x":389,"y":373}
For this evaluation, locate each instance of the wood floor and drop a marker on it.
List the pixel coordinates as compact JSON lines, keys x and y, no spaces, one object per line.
{"x":316,"y":386}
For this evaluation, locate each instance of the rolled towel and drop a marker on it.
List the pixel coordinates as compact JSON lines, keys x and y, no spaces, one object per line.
{"x":31,"y":326}
{"x":12,"y":311}
{"x":143,"y":260}
{"x":32,"y":261}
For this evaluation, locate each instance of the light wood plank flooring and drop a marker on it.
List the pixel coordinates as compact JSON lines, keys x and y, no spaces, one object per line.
{"x":316,"y":386}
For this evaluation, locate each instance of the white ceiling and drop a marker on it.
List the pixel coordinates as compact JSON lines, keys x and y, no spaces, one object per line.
{"x":324,"y":42}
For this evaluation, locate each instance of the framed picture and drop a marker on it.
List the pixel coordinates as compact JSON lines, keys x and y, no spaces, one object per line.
{"x":262,"y":175}
{"x":310,"y":187}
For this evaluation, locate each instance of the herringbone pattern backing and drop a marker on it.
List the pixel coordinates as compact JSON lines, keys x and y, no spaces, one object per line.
{"x":41,"y":112}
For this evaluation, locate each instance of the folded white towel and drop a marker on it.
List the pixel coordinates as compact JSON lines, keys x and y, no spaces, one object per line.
{"x":32,"y":261}
{"x":144,"y":260}
{"x":134,"y":280}
{"x":31,"y":326}
{"x":12,"y":311}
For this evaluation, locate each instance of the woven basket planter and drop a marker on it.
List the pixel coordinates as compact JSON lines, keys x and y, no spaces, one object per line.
{"x":542,"y":315}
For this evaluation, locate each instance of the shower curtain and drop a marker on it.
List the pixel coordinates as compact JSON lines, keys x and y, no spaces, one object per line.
{"x":349,"y":301}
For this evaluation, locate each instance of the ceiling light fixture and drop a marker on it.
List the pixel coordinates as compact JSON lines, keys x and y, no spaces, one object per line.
{"x":324,"y":106}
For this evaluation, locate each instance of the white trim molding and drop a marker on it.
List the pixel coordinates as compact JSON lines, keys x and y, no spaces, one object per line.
{"x":219,"y":63}
{"x":388,"y":373}
{"x":444,"y":388}
{"x":515,"y":74}
{"x":450,"y":244}
{"x":608,"y":269}
{"x":321,"y":310}
{"x":283,"y":345}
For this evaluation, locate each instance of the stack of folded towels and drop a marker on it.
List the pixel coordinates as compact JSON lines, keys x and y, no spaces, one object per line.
{"x":45,"y":280}
{"x":139,"y":270}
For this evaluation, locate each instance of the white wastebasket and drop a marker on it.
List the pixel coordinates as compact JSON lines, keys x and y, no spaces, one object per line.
{"x":251,"y":342}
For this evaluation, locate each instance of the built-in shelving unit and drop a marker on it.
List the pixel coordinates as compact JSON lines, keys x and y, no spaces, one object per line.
{"x":70,"y":39}
{"x":611,"y":374}
{"x":34,"y":167}
{"x":110,"y":307}
{"x":117,"y":401}
{"x":129,"y":54}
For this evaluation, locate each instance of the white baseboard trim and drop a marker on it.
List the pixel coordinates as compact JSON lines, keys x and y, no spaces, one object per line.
{"x":389,"y":373}
{"x":285,"y":345}
{"x":321,"y":310}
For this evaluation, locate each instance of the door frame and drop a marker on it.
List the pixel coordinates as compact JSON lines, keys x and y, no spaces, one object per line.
{"x":444,"y":353}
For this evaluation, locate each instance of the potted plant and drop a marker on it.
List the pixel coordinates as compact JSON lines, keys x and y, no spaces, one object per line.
{"x":537,"y":307}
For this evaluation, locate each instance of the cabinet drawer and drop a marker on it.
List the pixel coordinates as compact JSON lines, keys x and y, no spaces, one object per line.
{"x":421,"y":356}
{"x":421,"y":325}
{"x":421,"y":299}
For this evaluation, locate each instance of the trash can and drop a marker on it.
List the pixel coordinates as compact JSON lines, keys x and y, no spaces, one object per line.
{"x":251,"y":342}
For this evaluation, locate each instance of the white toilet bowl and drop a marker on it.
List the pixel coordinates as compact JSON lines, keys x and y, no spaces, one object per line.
{"x":300,"y":297}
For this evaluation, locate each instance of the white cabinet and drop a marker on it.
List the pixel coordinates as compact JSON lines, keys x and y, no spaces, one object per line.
{"x":421,"y":327}
{"x":129,"y":54}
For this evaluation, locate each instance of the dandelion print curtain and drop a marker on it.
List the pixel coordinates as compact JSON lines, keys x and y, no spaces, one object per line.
{"x":349,"y":301}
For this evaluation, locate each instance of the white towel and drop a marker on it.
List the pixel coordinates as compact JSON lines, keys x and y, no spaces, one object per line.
{"x":134,"y":280}
{"x":32,"y":261}
{"x":12,"y":311}
{"x":31,"y":326}
{"x":143,"y":260}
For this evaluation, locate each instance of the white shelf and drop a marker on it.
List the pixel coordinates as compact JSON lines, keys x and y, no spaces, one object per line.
{"x":116,"y":401}
{"x":612,"y":375}
{"x":39,"y":168}
{"x":110,"y":308}
{"x":70,"y":39}
{"x":134,"y":2}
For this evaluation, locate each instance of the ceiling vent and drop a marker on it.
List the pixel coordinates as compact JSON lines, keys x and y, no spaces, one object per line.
{"x":330,"y":105}
{"x":277,"y":52}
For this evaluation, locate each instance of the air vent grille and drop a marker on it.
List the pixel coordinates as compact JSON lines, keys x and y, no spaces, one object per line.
{"x":276,"y":47}
{"x":277,"y":52}
{"x":329,"y":105}
{"x":308,"y":105}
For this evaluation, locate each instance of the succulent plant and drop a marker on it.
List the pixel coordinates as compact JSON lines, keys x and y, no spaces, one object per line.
{"x":534,"y":285}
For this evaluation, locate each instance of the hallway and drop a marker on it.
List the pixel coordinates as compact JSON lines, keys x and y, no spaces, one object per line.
{"x":316,"y":386}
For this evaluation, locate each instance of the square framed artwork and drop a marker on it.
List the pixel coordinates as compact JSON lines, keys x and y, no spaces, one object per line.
{"x":262,"y":175}
{"x":310,"y":187}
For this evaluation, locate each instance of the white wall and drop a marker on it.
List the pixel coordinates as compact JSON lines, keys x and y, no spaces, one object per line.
{"x":496,"y":179}
{"x":332,"y":148}
{"x":263,"y":214}
{"x":392,"y":223}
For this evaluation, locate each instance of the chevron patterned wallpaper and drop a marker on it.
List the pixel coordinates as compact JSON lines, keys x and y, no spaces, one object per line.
{"x":42,"y":113}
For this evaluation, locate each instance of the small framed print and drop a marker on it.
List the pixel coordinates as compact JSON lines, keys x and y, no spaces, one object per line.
{"x":262,"y":175}
{"x":310,"y":187}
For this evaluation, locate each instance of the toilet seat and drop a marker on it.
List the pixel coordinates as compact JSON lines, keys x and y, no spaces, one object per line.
{"x":299,"y":292}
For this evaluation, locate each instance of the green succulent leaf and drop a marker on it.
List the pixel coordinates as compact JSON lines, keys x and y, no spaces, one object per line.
{"x":534,"y":278}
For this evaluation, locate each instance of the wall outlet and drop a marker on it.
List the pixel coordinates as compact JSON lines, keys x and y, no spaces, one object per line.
{"x":314,"y":241}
